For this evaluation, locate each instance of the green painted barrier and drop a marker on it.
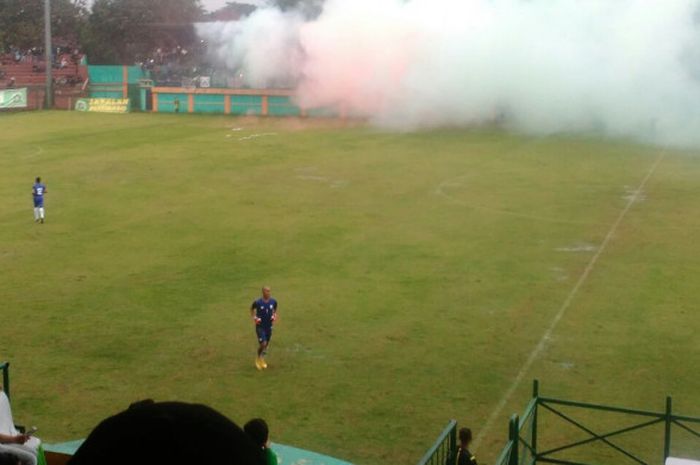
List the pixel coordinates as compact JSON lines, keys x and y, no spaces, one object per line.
{"x":172,"y":103}
{"x":208,"y":103}
{"x":282,"y":106}
{"x":107,"y":81}
{"x":246,"y":105}
{"x":286,"y":455}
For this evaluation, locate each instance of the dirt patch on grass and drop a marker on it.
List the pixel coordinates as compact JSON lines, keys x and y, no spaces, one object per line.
{"x":292,"y":124}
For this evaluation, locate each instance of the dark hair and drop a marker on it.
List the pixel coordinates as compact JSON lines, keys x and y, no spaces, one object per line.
{"x":149,"y":433}
{"x":465,"y":435}
{"x":257,"y":430}
{"x":38,"y":179}
{"x":7,"y":458}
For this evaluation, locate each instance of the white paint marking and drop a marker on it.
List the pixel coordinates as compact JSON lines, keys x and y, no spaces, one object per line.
{"x":306,"y":169}
{"x":39,"y":150}
{"x":306,"y":177}
{"x":560,"y":274}
{"x":305,"y":174}
{"x":548,"y":333}
{"x":577,"y":248}
{"x":253,"y":136}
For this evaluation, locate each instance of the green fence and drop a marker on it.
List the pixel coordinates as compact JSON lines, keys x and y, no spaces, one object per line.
{"x":209,"y":103}
{"x":172,"y":103}
{"x":246,"y":104}
{"x":282,"y":106}
{"x":543,"y":434}
{"x":646,"y":437}
{"x":107,"y":81}
{"x":239,"y":102}
{"x":445,"y":446}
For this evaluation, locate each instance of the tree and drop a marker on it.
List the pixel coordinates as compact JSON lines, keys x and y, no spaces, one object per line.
{"x":232,"y":11}
{"x":126,"y":31}
{"x":22,"y":22}
{"x":309,"y":8}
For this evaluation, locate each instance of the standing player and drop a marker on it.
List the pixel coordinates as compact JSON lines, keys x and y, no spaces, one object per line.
{"x":38,"y":191}
{"x":264,"y":313}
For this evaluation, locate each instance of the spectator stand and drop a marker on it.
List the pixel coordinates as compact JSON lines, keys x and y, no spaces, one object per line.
{"x":29,"y":70}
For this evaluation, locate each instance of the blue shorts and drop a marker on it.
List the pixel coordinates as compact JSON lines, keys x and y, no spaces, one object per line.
{"x":38,"y":202}
{"x":264,"y":334}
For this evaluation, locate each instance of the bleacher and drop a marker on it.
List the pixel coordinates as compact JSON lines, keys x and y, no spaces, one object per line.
{"x":69,"y":80}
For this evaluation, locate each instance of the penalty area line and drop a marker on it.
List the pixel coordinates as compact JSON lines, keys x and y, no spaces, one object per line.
{"x":562,"y":310}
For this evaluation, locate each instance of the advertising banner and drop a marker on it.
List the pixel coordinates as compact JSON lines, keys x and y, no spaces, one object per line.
{"x":13,"y":98}
{"x":103,"y":105}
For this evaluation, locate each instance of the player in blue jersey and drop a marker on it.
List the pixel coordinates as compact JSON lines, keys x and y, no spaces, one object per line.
{"x":264,"y":313}
{"x":38,"y":191}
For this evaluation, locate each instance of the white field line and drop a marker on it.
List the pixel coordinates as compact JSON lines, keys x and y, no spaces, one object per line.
{"x":254,"y":136}
{"x":547,"y":334}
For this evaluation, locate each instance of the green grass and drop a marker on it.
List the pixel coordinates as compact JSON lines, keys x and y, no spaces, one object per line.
{"x":416,"y":272}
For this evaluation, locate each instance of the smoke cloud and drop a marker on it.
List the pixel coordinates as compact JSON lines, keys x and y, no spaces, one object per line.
{"x":622,"y":68}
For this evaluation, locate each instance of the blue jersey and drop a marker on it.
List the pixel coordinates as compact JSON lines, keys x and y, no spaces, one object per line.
{"x":38,"y":191}
{"x":264,"y":311}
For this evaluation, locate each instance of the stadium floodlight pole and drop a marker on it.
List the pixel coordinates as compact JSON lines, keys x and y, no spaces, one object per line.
{"x":47,"y":53}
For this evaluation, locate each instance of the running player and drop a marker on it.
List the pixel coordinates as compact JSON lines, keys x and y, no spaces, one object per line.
{"x":264,"y":313}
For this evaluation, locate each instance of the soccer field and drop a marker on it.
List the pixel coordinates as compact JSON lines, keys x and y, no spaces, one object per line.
{"x":421,"y":276}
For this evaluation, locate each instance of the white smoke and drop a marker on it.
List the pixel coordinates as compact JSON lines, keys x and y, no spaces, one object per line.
{"x":264,"y":48}
{"x":624,"y":68}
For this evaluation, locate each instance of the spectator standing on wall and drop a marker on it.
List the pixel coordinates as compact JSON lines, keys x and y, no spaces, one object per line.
{"x":260,"y":434}
{"x":462,"y":456}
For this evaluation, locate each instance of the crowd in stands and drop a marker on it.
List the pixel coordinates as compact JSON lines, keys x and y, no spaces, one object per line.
{"x":61,"y":57}
{"x":167,"y":66}
{"x":179,"y":66}
{"x":27,"y":67}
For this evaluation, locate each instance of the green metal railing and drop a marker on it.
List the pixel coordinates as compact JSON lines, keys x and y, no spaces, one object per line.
{"x":522,"y":445}
{"x":443,"y":447}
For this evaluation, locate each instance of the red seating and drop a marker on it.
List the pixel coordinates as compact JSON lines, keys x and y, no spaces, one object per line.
{"x":32,"y":74}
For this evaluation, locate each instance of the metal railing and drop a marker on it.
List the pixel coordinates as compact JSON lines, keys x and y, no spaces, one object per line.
{"x":444,"y":446}
{"x":522,"y":446}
